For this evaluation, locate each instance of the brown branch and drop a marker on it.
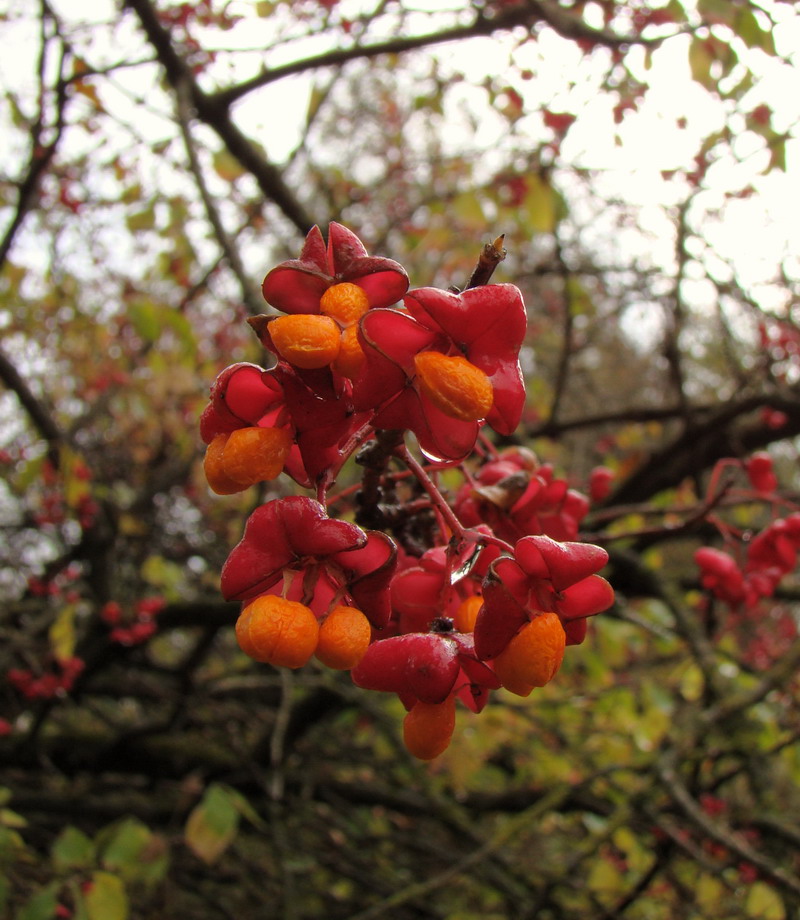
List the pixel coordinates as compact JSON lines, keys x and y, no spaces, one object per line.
{"x":41,"y":418}
{"x":573,"y":27}
{"x":41,"y":154}
{"x":250,"y":296}
{"x":522,"y":14}
{"x":491,"y":256}
{"x":523,"y":822}
{"x":777,"y":676}
{"x":480,"y":26}
{"x":676,"y":317}
{"x":564,"y":359}
{"x":724,"y":835}
{"x":709,"y":438}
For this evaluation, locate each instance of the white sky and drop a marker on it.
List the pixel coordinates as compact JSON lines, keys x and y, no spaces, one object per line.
{"x":754,"y":233}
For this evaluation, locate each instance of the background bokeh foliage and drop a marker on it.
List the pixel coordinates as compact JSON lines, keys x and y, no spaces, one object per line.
{"x":158,"y":158}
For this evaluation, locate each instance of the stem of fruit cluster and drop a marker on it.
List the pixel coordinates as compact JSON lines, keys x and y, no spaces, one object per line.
{"x":350,"y":447}
{"x":487,"y":539}
{"x":491,"y":256}
{"x":456,"y":527}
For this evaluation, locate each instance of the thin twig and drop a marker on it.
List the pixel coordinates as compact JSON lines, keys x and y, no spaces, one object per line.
{"x":724,"y":835}
{"x":249,"y":294}
{"x":491,"y":256}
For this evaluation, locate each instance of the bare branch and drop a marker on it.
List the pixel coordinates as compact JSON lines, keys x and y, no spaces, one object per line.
{"x":523,"y":14}
{"x":718,"y":832}
{"x":249,"y":294}
{"x":39,"y":415}
{"x":215,"y":113}
{"x":41,"y":153}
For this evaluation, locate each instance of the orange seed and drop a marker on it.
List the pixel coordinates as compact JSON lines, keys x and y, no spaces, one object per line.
{"x":305,"y":339}
{"x":276,"y":631}
{"x":345,"y":302}
{"x":428,"y":728}
{"x":454,"y":385}
{"x":532,"y":658}
{"x":351,"y":355}
{"x":218,"y":480}
{"x":344,"y":637}
{"x":255,"y":454}
{"x":467,"y":613}
{"x":243,"y":632}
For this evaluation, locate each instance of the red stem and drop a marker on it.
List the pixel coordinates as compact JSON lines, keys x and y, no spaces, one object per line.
{"x":455,"y":526}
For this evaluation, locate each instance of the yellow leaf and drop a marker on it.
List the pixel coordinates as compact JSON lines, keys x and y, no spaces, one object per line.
{"x":212,"y":824}
{"x":90,"y":91}
{"x":605,"y":878}
{"x":61,"y":634}
{"x":764,"y":903}
{"x":700,"y":61}
{"x":709,"y":892}
{"x":106,"y":898}
{"x":227,"y":166}
{"x":540,"y":205}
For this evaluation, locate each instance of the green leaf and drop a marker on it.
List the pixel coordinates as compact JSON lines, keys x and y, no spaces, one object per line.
{"x":605,"y":878}
{"x":72,"y":850}
{"x":245,"y":809}
{"x":213,"y":824}
{"x":136,"y":853}
{"x":31,"y":473}
{"x":11,"y":844}
{"x":142,"y":220}
{"x":468,"y":208}
{"x":716,"y":10}
{"x":146,"y":320}
{"x":709,"y":893}
{"x":227,"y":166}
{"x":9,"y":818}
{"x":182,"y":328}
{"x":778,"y":155}
{"x":692,"y":683}
{"x":676,"y":11}
{"x":764,"y":903}
{"x":637,"y":857}
{"x":161,"y":573}
{"x":106,"y":898}
{"x":540,"y":205}
{"x":131,"y":193}
{"x":40,"y":906}
{"x":700,"y":61}
{"x":579,"y":301}
{"x":316,"y":97}
{"x":750,"y":31}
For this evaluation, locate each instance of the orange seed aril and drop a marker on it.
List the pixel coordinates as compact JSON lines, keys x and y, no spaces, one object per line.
{"x":344,"y":637}
{"x":255,"y":454}
{"x":345,"y":302}
{"x":306,"y":340}
{"x":218,"y":480}
{"x":351,"y":355}
{"x":454,"y":385}
{"x":467,"y":613}
{"x":428,"y":728}
{"x":277,"y":631}
{"x":532,"y":658}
